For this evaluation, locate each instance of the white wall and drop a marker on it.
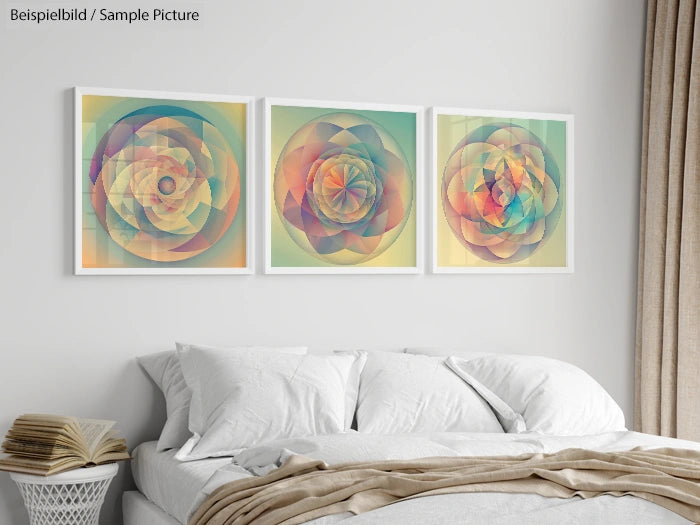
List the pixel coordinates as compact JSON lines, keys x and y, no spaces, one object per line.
{"x":68,"y":342}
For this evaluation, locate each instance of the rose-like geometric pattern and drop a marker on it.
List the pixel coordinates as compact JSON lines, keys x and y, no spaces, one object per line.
{"x":343,"y":188}
{"x":164,"y":183}
{"x":500,"y":192}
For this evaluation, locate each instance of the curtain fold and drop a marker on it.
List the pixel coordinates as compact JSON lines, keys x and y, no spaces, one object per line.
{"x":667,"y":361}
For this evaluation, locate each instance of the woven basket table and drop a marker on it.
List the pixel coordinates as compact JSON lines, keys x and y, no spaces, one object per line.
{"x":73,"y":497}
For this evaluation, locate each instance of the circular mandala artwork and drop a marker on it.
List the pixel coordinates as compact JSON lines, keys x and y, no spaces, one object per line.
{"x":500,"y":192}
{"x":165,"y":184}
{"x":343,"y":188}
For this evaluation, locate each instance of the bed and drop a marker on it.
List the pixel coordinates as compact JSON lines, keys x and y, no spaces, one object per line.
{"x":240,"y":416}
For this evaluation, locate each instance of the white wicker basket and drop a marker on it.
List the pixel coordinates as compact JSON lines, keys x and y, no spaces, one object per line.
{"x":73,"y":497}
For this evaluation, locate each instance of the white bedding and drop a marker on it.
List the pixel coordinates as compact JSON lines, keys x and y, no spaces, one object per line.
{"x":171,"y":484}
{"x":176,"y":486}
{"x":137,"y":510}
{"x":515,"y":509}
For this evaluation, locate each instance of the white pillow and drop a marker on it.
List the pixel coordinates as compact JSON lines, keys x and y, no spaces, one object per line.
{"x":164,"y":368}
{"x":510,"y":420}
{"x":403,"y":393}
{"x":445,"y":352}
{"x":240,"y":399}
{"x":553,"y":397}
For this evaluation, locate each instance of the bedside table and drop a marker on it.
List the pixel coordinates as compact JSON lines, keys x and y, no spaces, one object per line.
{"x":72,"y":497}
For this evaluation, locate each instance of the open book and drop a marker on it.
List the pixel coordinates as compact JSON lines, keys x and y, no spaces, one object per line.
{"x":46,"y":444}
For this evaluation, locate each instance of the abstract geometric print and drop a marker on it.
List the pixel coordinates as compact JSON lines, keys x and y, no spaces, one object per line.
{"x":164,"y":179}
{"x":502,"y":191}
{"x":342,"y":187}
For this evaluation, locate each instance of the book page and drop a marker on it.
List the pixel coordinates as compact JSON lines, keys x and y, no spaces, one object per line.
{"x":93,"y":431}
{"x":41,"y":467}
{"x":44,"y":420}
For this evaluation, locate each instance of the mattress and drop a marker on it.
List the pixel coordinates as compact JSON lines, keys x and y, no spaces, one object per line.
{"x":171,"y":484}
{"x":137,"y":510}
{"x":175,"y":488}
{"x":512,"y":509}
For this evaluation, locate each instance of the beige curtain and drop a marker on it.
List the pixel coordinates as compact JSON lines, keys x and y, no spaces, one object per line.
{"x":667,"y":363}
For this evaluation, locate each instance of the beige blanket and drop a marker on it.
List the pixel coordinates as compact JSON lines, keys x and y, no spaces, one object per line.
{"x":303,"y":489}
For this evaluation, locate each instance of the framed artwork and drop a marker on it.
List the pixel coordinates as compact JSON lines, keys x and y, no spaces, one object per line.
{"x":162,"y":183}
{"x":343,"y":187}
{"x":502,"y":192}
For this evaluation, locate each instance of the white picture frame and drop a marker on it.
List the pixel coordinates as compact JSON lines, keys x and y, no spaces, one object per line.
{"x":436,"y":207}
{"x":133,"y":264}
{"x":271,"y":213}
